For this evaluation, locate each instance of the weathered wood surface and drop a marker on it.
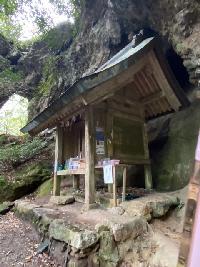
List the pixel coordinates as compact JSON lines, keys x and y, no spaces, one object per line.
{"x":76,"y":181}
{"x":147,"y":167}
{"x":70,"y":172}
{"x":148,"y":177}
{"x":58,"y":159}
{"x":89,"y":157}
{"x":163,"y":82}
{"x":114,"y":188}
{"x":124,"y":184}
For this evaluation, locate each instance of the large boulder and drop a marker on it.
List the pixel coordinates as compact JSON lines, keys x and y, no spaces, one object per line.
{"x":62,"y":200}
{"x":27,"y":180}
{"x":173,"y":148}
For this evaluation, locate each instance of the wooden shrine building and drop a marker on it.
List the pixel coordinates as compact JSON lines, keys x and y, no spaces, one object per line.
{"x":114,"y":103}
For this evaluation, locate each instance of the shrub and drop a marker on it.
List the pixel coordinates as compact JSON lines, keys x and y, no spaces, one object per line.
{"x":13,"y":155}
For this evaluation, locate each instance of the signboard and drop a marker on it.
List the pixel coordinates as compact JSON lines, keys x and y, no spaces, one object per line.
{"x":108,"y":174}
{"x":100,"y":148}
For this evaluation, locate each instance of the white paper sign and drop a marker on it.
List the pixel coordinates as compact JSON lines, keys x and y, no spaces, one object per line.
{"x":108,"y":174}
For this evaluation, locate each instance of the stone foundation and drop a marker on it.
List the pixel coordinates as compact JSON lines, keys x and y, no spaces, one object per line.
{"x":112,"y":239}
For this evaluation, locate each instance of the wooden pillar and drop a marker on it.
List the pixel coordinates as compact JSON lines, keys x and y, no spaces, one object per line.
{"x":109,"y":140}
{"x":89,"y":157}
{"x":58,"y":159}
{"x":148,"y":177}
{"x":76,"y":181}
{"x":114,"y":187}
{"x":147,"y":168}
{"x":110,"y":188}
{"x":124,"y":184}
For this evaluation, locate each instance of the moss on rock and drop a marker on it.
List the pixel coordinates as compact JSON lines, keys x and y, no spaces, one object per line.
{"x":27,"y":179}
{"x":10,"y":75}
{"x":173,"y":162}
{"x":45,"y":188}
{"x":58,"y":36}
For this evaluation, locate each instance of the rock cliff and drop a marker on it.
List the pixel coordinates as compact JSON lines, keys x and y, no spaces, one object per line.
{"x":51,"y":65}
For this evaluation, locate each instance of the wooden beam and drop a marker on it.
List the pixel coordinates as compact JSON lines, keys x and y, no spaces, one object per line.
{"x":89,"y":157}
{"x":141,"y":85}
{"x":70,"y":172}
{"x":133,"y":112}
{"x":163,"y":82}
{"x":123,"y":114}
{"x":116,"y":83}
{"x":58,"y":159}
{"x":152,"y":97}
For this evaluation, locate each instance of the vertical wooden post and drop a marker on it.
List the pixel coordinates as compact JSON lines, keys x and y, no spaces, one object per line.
{"x":76,"y":181}
{"x":147,"y":168}
{"x":124,"y":184}
{"x":114,"y":188}
{"x":109,"y":140}
{"x":89,"y":157}
{"x":58,"y":159}
{"x":148,"y":177}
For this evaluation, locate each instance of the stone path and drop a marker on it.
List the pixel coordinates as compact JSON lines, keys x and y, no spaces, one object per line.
{"x":18,"y":244}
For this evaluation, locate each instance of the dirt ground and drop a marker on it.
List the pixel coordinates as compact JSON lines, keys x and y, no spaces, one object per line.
{"x":19,"y":243}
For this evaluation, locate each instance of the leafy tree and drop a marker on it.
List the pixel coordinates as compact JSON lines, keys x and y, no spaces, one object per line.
{"x":13,"y":115}
{"x":13,"y":13}
{"x":8,"y":26}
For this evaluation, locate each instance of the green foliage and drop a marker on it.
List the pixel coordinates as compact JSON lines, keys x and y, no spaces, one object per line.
{"x":8,"y":26}
{"x":14,"y":114}
{"x":7,"y":7}
{"x":2,"y":181}
{"x":63,"y":33}
{"x":11,"y":155}
{"x":78,"y":6}
{"x":46,"y":85}
{"x":49,"y":75}
{"x":3,"y":139}
{"x":4,"y":63}
{"x":71,"y":8}
{"x":10,"y":30}
{"x":10,"y":76}
{"x":33,"y":171}
{"x":11,"y":21}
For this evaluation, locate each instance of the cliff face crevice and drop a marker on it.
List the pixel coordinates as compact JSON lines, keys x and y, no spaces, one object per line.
{"x":51,"y":65}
